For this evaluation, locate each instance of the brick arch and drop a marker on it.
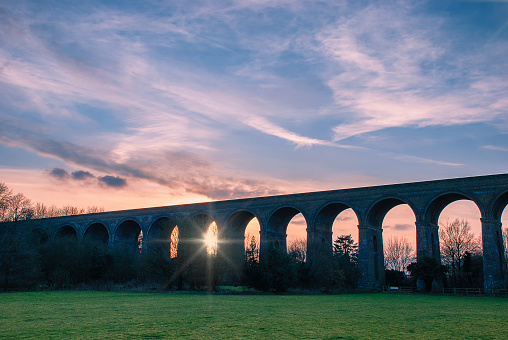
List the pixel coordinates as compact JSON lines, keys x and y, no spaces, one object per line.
{"x":280,"y":218}
{"x":160,"y":228}
{"x":378,"y":210}
{"x":195,"y":230}
{"x":126,"y":235}
{"x":499,"y":204}
{"x":66,"y":232}
{"x":96,"y":232}
{"x":437,"y":204}
{"x":232,"y":247}
{"x":276,"y":228}
{"x":239,"y":219}
{"x":159,"y":234}
{"x":235,"y":226}
{"x":326,"y":215}
{"x":199,"y":222}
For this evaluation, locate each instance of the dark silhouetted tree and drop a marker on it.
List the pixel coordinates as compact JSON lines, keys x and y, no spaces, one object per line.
{"x":340,"y":270}
{"x":427,"y":269}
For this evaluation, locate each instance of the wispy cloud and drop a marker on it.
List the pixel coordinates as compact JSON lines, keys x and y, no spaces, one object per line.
{"x":495,"y":148}
{"x":181,"y":171}
{"x":393,"y":71}
{"x":400,"y":227}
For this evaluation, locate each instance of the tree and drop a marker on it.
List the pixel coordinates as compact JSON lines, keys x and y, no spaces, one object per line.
{"x":276,"y":272}
{"x":427,"y":269}
{"x":297,"y":249}
{"x":398,"y":253}
{"x":344,"y":245}
{"x":252,"y":250}
{"x":456,"y":241}
{"x":472,"y":270}
{"x":341,"y":272}
{"x":18,"y":267}
{"x":20,"y":208}
{"x":93,"y":209}
{"x":5,"y":198}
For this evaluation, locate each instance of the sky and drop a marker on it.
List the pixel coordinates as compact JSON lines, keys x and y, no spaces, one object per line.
{"x":131,"y":104}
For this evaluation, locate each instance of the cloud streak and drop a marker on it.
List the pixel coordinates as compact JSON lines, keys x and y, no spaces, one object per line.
{"x":80,"y":175}
{"x":179,"y":170}
{"x":389,"y":77}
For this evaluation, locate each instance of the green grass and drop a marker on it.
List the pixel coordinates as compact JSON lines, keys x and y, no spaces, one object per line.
{"x":103,"y":315}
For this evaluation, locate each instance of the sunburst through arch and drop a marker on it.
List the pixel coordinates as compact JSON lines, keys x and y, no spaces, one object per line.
{"x":211,"y":239}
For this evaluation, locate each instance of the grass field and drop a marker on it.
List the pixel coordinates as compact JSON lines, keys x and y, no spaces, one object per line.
{"x":150,"y":315}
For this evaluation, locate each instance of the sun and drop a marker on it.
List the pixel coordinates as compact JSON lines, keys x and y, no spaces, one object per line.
{"x":211,"y":239}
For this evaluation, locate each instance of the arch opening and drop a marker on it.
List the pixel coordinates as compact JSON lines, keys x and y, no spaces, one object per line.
{"x":399,"y":242}
{"x":345,"y":224}
{"x":174,"y":240}
{"x":501,"y":212}
{"x":128,"y":235}
{"x":243,"y":233}
{"x":97,"y":233}
{"x":296,"y":238}
{"x":460,"y":239}
{"x":211,"y":239}
{"x":252,"y":239}
{"x":333,"y":221}
{"x":66,"y":232}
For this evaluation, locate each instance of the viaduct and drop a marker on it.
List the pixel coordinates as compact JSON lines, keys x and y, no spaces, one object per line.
{"x":370,"y":204}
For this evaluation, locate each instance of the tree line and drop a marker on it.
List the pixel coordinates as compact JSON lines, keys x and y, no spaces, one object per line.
{"x":461,"y":259}
{"x":281,"y":270}
{"x":18,"y":207}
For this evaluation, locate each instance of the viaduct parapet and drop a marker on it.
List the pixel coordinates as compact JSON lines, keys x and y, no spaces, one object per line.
{"x":370,"y":204}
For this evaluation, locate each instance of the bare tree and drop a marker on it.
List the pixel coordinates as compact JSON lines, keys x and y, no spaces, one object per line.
{"x":298,"y":249}
{"x":43,"y":211}
{"x":69,"y":210}
{"x":457,"y":241}
{"x":40,"y":210}
{"x":398,"y":253}
{"x":20,"y":208}
{"x":93,"y":209}
{"x":5,"y":198}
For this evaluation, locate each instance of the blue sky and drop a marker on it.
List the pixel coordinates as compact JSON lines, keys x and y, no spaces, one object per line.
{"x":127,"y":104}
